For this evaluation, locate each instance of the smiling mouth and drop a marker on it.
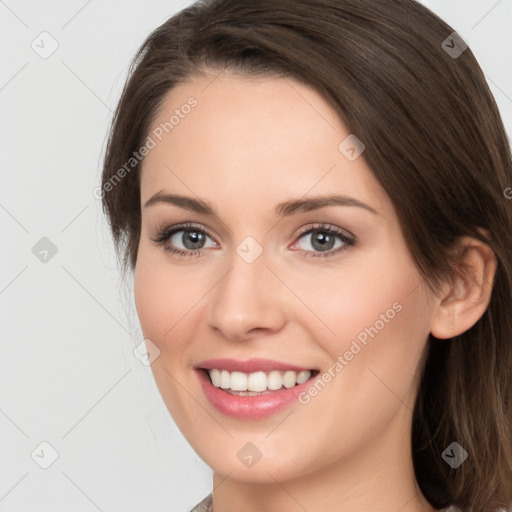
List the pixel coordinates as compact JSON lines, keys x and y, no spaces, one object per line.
{"x":257,"y":383}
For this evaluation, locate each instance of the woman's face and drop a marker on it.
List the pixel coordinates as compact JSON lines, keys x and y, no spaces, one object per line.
{"x":330,"y":288}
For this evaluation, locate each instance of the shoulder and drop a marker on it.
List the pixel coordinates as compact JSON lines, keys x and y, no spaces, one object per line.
{"x":204,"y":505}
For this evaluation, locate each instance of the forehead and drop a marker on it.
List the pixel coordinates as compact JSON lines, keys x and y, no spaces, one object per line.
{"x":243,"y":134}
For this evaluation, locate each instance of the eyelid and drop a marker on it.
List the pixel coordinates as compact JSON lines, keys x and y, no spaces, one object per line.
{"x":326,"y":226}
{"x":165,"y":229}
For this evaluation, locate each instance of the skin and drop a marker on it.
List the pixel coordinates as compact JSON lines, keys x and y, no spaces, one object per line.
{"x":249,"y":144}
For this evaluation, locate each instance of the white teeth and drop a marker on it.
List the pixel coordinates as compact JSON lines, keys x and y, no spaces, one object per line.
{"x":289,"y":379}
{"x":303,"y":376}
{"x":215,"y":376}
{"x":274,"y":380}
{"x":225,"y":379}
{"x":257,"y":381}
{"x":238,"y":381}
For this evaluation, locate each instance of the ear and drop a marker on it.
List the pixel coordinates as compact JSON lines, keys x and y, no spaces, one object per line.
{"x":466,"y":295}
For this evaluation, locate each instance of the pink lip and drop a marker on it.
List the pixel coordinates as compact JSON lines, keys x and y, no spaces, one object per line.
{"x":250,"y":407}
{"x":250,"y":366}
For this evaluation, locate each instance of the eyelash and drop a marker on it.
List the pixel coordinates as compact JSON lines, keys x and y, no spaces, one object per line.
{"x":164,"y":234}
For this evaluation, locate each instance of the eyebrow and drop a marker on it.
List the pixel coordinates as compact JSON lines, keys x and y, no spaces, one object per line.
{"x":283,"y":209}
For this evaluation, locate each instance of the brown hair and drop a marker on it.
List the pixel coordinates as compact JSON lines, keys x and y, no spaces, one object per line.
{"x":434,"y":140}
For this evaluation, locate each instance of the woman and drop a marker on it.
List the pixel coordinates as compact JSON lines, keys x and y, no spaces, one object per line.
{"x":312,"y":198}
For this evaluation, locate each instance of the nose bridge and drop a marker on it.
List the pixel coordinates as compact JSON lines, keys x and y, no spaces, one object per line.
{"x":246,"y":298}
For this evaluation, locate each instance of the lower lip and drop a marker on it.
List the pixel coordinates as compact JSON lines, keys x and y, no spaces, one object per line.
{"x":250,"y":407}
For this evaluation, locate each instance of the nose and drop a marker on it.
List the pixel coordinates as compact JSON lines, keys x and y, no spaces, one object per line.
{"x":249,"y":301}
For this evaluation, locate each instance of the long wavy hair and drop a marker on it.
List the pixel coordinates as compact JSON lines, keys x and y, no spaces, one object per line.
{"x":404,"y":83}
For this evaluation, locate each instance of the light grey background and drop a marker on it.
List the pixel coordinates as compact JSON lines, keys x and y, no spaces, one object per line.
{"x":68,"y":326}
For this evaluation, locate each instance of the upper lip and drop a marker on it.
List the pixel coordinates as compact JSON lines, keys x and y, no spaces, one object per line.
{"x":248,"y":366}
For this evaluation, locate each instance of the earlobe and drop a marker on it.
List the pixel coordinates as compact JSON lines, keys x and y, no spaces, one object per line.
{"x":463,"y":300}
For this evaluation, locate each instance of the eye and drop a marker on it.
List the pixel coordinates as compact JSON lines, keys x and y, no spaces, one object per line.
{"x":323,"y":240}
{"x":189,"y":235}
{"x":192,"y":238}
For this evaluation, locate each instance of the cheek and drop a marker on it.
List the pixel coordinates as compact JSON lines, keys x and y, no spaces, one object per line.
{"x":158,"y":306}
{"x":167,"y":297}
{"x":164,"y":300}
{"x":377,"y":314}
{"x":150,"y":297}
{"x":359,"y":298}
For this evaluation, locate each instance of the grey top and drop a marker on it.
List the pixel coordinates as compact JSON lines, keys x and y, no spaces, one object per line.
{"x":206,"y":506}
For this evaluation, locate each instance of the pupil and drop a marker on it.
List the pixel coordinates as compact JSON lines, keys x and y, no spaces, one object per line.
{"x":195,"y":237}
{"x":325,"y":240}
